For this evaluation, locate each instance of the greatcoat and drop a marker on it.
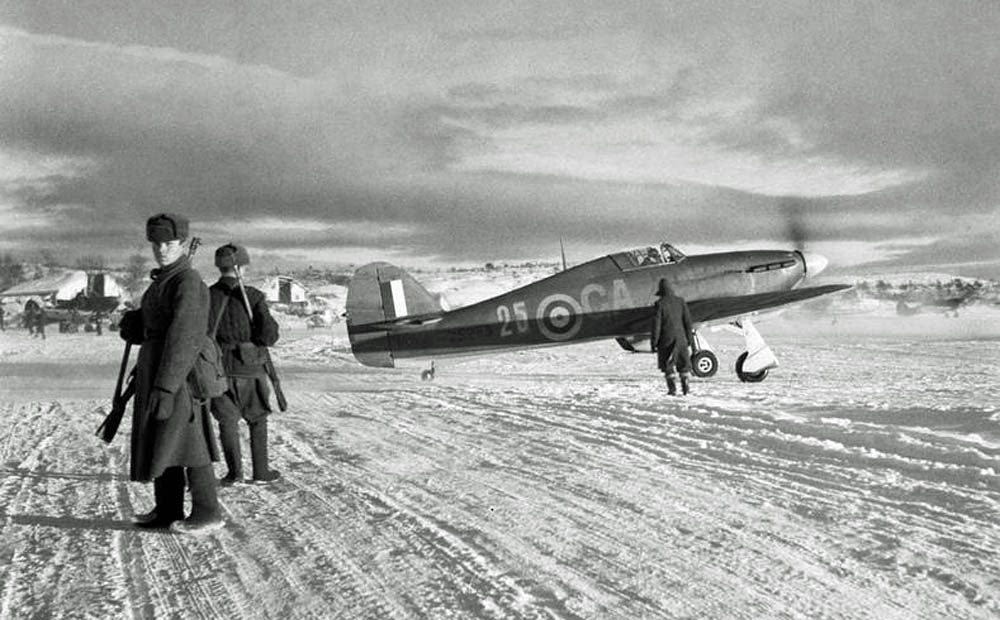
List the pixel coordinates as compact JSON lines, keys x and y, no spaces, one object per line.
{"x":672,"y":331}
{"x":172,"y":322}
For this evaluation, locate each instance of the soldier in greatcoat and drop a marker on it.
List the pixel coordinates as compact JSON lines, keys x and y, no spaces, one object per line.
{"x":672,"y":335}
{"x":172,"y":443}
{"x":242,"y":336}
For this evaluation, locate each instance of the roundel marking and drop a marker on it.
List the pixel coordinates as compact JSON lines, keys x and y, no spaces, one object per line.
{"x":559,"y":317}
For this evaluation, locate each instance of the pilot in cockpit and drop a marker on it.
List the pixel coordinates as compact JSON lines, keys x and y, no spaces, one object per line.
{"x":652,"y":256}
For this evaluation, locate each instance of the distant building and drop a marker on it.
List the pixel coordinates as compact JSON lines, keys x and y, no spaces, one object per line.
{"x":282,"y":290}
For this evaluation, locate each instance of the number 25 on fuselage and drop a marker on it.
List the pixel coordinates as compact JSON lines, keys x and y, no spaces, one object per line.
{"x":390,"y":316}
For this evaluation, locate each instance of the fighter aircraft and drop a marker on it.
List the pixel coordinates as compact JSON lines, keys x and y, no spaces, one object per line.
{"x":390,"y":316}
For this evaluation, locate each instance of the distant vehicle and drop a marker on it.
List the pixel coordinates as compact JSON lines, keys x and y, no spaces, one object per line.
{"x":72,"y":299}
{"x":948,"y":307}
{"x":390,"y":316}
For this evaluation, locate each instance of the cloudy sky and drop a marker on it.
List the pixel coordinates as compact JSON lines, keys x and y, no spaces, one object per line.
{"x":455,"y":131}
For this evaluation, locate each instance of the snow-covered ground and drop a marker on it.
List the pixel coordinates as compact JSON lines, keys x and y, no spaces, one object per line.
{"x":860,"y":480}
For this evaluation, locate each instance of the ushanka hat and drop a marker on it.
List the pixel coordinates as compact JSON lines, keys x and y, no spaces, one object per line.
{"x":166,"y":227}
{"x":231,"y":255}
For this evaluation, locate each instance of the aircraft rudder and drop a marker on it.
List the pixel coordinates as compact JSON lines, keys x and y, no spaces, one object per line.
{"x":369,"y":345}
{"x":381,"y":292}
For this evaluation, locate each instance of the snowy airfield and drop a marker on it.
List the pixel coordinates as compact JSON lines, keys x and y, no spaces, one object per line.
{"x":860,"y":480}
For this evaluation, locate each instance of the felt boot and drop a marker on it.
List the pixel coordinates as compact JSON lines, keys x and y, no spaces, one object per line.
{"x":258,"y":453}
{"x":229,"y":437}
{"x":168,"y":492}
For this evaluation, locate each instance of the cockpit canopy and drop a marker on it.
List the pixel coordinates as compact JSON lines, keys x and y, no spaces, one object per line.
{"x":663,"y":254}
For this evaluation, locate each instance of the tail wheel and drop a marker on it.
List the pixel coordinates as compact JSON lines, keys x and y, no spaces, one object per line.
{"x":428,"y":375}
{"x":704,"y":363}
{"x":748,"y":377}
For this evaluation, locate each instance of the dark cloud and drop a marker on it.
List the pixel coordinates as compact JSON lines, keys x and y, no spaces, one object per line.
{"x":206,"y":111}
{"x":894,"y":83}
{"x":513,"y":115}
{"x":971,"y":255}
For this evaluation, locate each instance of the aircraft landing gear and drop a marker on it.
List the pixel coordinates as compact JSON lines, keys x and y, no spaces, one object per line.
{"x":753,"y":364}
{"x":749,"y":377}
{"x":428,"y":375}
{"x":704,"y":363}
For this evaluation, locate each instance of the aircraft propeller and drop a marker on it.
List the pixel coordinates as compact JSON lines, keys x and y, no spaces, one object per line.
{"x":794,"y":212}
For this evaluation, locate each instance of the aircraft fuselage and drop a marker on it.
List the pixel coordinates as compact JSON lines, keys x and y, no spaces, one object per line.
{"x":608,"y":297}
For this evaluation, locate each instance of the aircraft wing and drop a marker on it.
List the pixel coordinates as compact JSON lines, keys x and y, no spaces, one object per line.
{"x":719,"y":308}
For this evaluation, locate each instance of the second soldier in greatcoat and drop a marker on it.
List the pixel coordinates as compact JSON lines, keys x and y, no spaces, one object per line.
{"x":243,"y":338}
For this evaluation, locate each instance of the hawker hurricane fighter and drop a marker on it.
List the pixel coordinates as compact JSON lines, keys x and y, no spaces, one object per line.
{"x":390,"y":316}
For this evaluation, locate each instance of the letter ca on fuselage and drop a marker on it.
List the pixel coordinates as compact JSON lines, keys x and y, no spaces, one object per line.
{"x":560,"y":316}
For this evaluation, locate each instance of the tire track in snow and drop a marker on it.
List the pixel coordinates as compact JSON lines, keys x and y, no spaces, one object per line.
{"x":449,"y":506}
{"x":591,"y":506}
{"x":18,"y":575}
{"x":176,"y":574}
{"x":611,"y":437}
{"x":48,"y":521}
{"x":408,"y":533}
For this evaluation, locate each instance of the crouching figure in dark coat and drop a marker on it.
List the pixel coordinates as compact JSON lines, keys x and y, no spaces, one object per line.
{"x":245,"y":329}
{"x":172,"y":442}
{"x":672,"y":335}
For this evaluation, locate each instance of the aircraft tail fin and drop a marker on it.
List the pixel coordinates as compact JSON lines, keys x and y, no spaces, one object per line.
{"x":379,"y":295}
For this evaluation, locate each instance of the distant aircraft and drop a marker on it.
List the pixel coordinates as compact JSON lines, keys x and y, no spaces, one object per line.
{"x":948,"y":306}
{"x":390,"y":316}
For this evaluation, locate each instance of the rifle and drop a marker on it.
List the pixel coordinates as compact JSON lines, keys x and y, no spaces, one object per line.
{"x":269,"y":368}
{"x":109,"y":427}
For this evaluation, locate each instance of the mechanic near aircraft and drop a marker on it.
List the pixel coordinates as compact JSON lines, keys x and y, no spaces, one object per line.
{"x":671,"y":336}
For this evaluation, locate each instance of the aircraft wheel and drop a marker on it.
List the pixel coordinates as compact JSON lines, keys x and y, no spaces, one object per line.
{"x":704,"y":364}
{"x":748,"y":377}
{"x":427,"y":375}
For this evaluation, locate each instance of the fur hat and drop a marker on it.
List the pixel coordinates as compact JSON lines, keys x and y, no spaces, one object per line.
{"x":231,"y":255}
{"x":166,"y":227}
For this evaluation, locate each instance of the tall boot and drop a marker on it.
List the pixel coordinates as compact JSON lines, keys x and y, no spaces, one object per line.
{"x":168,"y":493}
{"x":229,"y":437}
{"x":258,"y":452}
{"x":671,"y":384}
{"x":228,"y":416}
{"x":205,"y":514}
{"x":685,"y":383}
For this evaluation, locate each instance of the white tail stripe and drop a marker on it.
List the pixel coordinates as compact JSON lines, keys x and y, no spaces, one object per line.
{"x":398,"y":298}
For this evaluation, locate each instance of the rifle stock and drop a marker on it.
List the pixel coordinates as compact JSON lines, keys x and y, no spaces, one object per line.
{"x":272,"y":374}
{"x":269,"y":368}
{"x":109,"y":427}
